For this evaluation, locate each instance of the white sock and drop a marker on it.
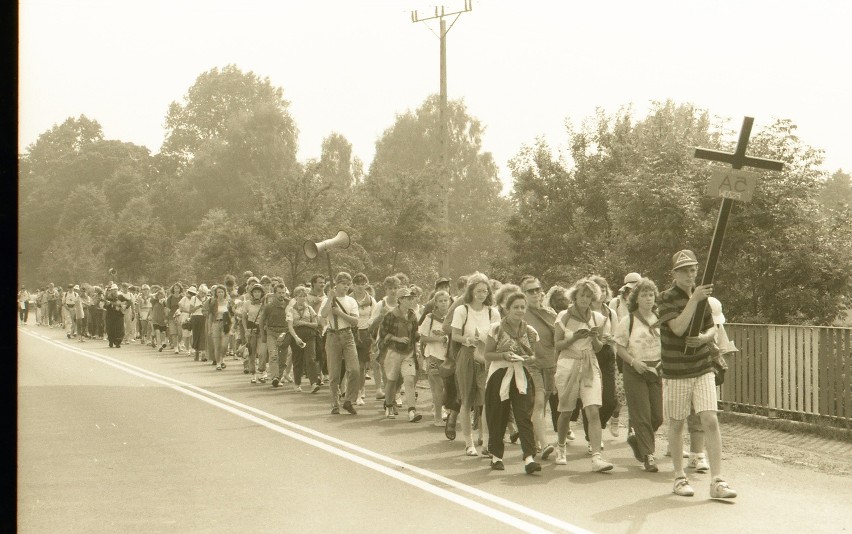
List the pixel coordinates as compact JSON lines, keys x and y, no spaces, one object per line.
{"x":528,"y":460}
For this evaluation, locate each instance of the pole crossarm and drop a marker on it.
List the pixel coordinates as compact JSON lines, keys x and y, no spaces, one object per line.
{"x":440,"y":13}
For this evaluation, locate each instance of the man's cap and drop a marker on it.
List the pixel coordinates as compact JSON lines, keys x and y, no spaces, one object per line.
{"x":632,"y":279}
{"x":716,"y":310}
{"x":683,"y":258}
{"x":442,"y":280}
{"x":192,"y":290}
{"x":403,"y":292}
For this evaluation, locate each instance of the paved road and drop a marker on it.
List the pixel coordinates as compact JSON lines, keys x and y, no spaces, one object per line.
{"x":132,"y":440}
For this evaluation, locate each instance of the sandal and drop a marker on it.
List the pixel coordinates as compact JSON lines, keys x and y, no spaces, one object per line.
{"x":450,"y":428}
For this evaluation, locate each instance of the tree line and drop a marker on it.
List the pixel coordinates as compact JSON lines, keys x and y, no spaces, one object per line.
{"x":226,"y":193}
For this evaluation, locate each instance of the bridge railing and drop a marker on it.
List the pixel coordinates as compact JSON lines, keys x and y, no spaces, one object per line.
{"x":799,"y":369}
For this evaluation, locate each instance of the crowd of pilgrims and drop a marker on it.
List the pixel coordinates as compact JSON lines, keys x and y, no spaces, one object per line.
{"x":496,"y":355}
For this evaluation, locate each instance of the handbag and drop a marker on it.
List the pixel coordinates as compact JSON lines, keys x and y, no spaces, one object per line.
{"x":187,"y":324}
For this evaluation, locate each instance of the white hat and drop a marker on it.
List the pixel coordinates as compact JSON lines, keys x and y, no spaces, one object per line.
{"x":76,"y":288}
{"x":631,"y":279}
{"x":716,"y":310}
{"x":113,"y":286}
{"x":192,"y":290}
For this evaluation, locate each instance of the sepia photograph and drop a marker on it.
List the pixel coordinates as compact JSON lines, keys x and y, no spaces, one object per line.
{"x":397,"y":266}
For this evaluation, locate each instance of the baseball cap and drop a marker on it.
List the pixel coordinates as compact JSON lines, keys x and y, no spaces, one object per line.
{"x":632,"y":279}
{"x":683,"y":258}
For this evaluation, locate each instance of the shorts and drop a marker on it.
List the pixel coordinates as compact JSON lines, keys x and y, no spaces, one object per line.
{"x":589,"y":395}
{"x":433,"y":366}
{"x":470,"y":378}
{"x":682,"y":395}
{"x":160,"y":327}
{"x":397,"y":364}
{"x":544,"y":379}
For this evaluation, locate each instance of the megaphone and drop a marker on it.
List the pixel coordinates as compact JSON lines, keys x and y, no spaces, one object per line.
{"x":312,"y":250}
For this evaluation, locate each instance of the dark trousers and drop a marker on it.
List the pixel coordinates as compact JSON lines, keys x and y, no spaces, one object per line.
{"x":606,"y":361}
{"x":451,"y":394}
{"x":24,"y":313}
{"x":199,"y":334}
{"x":51,"y":312}
{"x":645,"y":404}
{"x":304,"y":361}
{"x":497,"y":413}
{"x":319,"y":351}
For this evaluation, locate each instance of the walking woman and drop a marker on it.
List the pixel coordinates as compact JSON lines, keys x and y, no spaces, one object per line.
{"x":578,"y":375}
{"x":639,"y":347}
{"x":303,"y":324}
{"x":472,"y":321}
{"x":173,"y":316}
{"x":252,"y":309}
{"x":197,"y":319}
{"x":435,"y":350}
{"x":510,"y":387}
{"x":221,"y":312}
{"x":114,"y":305}
{"x":185,"y":319}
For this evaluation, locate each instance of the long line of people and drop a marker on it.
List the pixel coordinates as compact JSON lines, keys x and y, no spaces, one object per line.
{"x":495,"y":356}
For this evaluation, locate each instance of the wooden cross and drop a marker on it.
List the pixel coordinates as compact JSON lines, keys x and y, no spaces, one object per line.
{"x":738,"y":160}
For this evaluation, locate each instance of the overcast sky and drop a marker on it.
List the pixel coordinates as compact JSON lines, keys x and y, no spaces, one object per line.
{"x":523,"y":68}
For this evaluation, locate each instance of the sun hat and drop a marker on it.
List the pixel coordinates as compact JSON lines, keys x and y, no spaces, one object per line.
{"x":192,"y":290}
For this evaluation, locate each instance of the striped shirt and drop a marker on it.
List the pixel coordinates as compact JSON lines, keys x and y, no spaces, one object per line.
{"x":676,"y":364}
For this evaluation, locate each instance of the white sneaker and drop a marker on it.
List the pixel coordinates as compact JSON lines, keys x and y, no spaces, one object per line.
{"x":699,"y":463}
{"x":297,"y":389}
{"x":599,"y":464}
{"x":360,"y":401}
{"x":561,"y":455}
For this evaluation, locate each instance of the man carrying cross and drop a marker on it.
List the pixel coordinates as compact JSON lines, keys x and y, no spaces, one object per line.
{"x":688,"y":379}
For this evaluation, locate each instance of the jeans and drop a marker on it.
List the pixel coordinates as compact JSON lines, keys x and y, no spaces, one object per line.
{"x":277,"y":361}
{"x":340,"y":349}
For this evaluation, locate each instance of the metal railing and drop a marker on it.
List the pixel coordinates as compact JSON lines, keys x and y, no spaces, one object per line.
{"x":801,"y":369}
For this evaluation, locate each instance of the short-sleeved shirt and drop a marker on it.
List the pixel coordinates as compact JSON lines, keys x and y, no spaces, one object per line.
{"x":676,"y":364}
{"x":506,"y":343}
{"x":365,"y":311}
{"x":349,"y":305}
{"x":306,"y":314}
{"x":431,"y":326}
{"x":476,"y":322}
{"x":642,"y":342}
{"x":569,"y":324}
{"x":399,"y":326}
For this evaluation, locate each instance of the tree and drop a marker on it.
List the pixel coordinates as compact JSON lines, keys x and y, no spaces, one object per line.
{"x":837,"y":192}
{"x":137,"y":244}
{"x":215,"y":102}
{"x":218,"y":246}
{"x":409,"y":150}
{"x":635,"y":195}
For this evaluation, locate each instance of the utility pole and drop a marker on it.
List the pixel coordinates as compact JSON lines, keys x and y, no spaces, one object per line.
{"x":444,"y":268}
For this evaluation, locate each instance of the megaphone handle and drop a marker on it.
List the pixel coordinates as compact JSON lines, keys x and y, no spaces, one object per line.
{"x":331,"y":288}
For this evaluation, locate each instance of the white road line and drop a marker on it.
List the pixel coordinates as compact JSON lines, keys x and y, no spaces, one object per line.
{"x":222,"y":402}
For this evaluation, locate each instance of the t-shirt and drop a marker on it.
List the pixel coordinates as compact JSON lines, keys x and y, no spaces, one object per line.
{"x":431,"y":326}
{"x":478,"y":323}
{"x":543,"y":320}
{"x":158,"y":312}
{"x":349,"y":306}
{"x":570,"y":323}
{"x":676,"y":364}
{"x":365,"y":311}
{"x":644,"y":343}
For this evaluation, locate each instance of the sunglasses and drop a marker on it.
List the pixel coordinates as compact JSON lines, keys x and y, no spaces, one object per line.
{"x":533,"y":290}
